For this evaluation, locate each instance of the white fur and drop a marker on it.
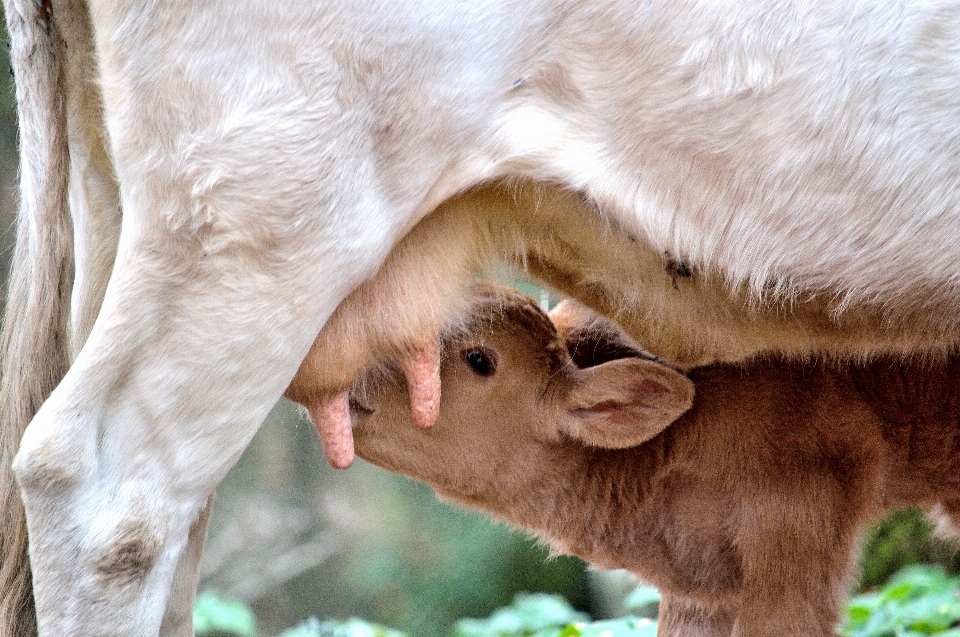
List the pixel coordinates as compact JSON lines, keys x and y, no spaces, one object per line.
{"x":267,"y":156}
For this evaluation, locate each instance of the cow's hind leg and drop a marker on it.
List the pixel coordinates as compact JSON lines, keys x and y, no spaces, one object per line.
{"x":195,"y":342}
{"x":178,"y":617}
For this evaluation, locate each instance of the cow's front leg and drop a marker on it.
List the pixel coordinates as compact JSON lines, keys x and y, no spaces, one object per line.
{"x":195,"y":343}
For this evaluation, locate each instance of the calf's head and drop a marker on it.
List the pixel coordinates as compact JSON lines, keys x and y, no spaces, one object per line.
{"x":511,"y":390}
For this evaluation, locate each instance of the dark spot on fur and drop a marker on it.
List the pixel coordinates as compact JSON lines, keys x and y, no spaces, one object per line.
{"x":677,"y":269}
{"x":130,"y":556}
{"x":44,"y":13}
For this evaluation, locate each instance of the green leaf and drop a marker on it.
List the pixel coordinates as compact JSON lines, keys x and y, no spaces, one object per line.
{"x":352,"y":627}
{"x":642,"y":596}
{"x":214,"y":615}
{"x":570,"y":631}
{"x":622,"y":627}
{"x":526,"y":616}
{"x":898,"y":591}
{"x":858,"y":615}
{"x":918,"y":601}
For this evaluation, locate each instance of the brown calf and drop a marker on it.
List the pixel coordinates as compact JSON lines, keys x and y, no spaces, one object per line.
{"x":745,"y":511}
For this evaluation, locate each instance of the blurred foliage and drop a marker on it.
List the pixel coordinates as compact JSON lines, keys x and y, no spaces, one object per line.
{"x":918,"y":600}
{"x":901,"y":539}
{"x":214,"y":616}
{"x":536,"y":615}
{"x":353,"y":627}
{"x":643,"y":601}
{"x":550,"y":616}
{"x":436,"y":563}
{"x":527,"y":615}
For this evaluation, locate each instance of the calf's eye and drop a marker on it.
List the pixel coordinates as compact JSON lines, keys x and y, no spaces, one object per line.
{"x":481,"y":362}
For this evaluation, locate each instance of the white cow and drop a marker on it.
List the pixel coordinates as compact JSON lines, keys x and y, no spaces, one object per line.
{"x":802,"y":158}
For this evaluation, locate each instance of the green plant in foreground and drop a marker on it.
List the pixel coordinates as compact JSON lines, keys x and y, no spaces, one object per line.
{"x":536,"y":615}
{"x":214,"y":616}
{"x":528,"y":615}
{"x":350,"y":628}
{"x":918,"y":600}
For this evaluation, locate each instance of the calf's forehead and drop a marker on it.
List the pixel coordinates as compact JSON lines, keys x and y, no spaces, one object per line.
{"x":508,"y":318}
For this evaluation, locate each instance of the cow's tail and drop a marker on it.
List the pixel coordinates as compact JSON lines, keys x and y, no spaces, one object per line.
{"x":33,"y":343}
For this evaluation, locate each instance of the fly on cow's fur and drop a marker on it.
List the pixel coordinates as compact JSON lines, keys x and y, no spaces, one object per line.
{"x":677,"y":269}
{"x":206,"y":187}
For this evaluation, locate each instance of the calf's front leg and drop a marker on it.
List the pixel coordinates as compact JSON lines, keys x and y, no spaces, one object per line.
{"x":680,"y":617}
{"x":798,"y":544}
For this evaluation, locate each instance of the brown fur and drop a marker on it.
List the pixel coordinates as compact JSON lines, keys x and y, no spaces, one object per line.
{"x":745,"y":511}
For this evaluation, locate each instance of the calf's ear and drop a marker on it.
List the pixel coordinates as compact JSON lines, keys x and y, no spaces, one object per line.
{"x":624,"y":402}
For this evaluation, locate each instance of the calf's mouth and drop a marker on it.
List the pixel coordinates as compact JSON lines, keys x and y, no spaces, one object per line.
{"x":372,"y":387}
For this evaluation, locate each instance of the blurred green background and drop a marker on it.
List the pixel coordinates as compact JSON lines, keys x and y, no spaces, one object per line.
{"x":294,"y":538}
